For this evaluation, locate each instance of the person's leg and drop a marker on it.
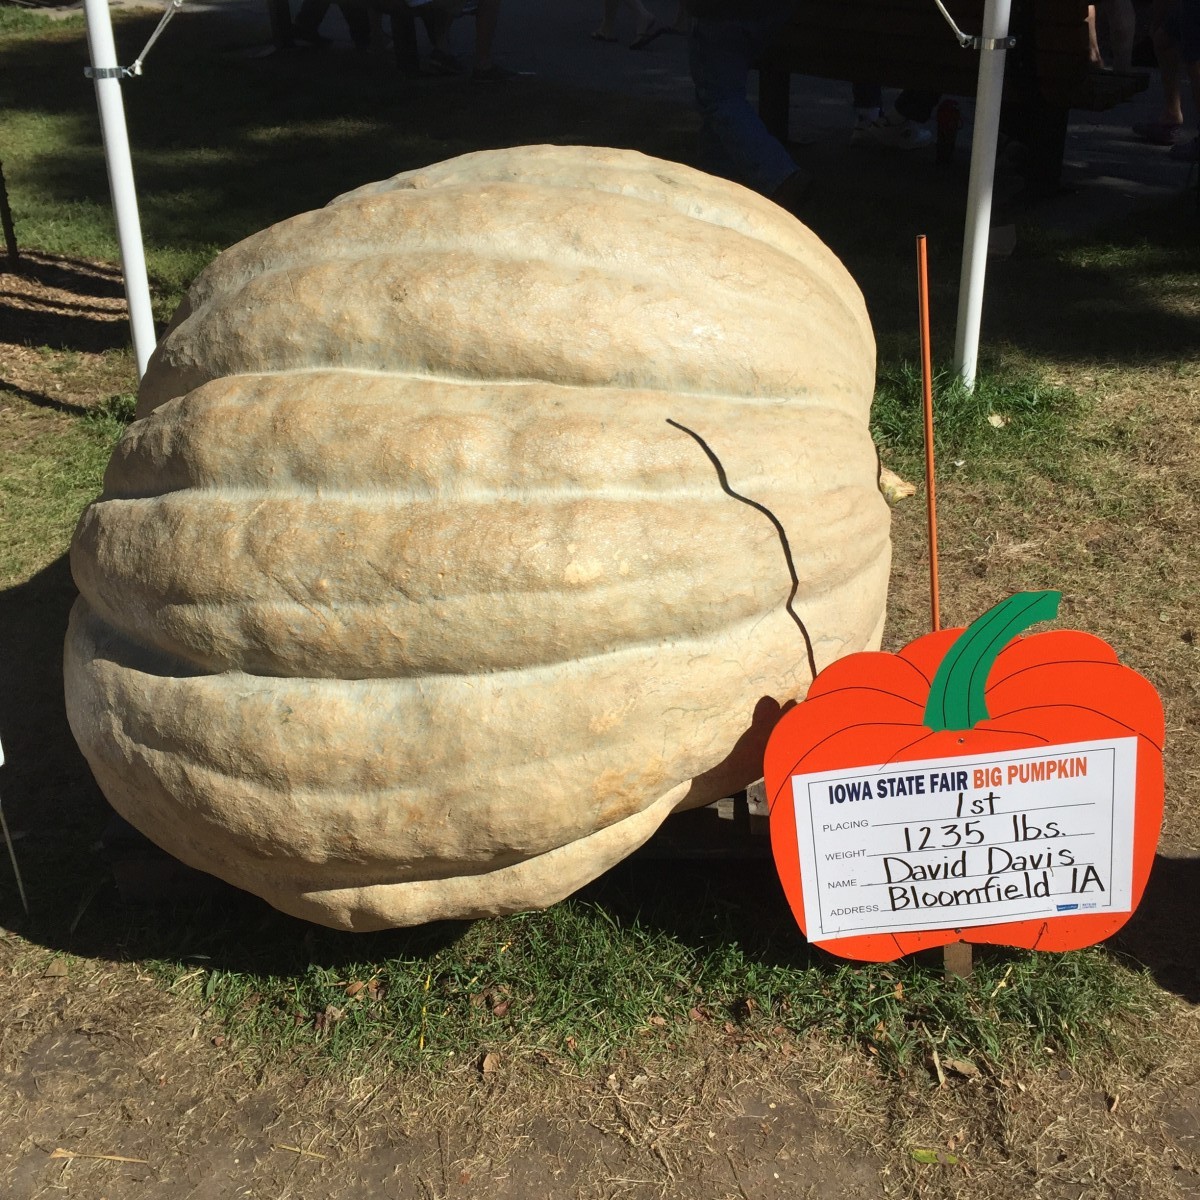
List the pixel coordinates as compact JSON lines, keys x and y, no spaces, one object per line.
{"x":308,"y":20}
{"x":1093,"y":45}
{"x":1166,"y":50}
{"x":486,"y":17}
{"x":642,"y":15}
{"x":606,"y":31}
{"x":1122,"y":25}
{"x":357,"y":21}
{"x":1189,"y":53}
{"x":437,"y":27}
{"x":720,"y":54}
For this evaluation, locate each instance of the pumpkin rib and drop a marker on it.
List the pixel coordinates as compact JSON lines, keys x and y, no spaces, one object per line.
{"x":428,"y":665}
{"x":257,"y":746}
{"x":531,"y":883}
{"x":725,"y":204}
{"x":169,"y":581}
{"x":795,"y":401}
{"x":481,"y":497}
{"x":424,"y":299}
{"x":559,"y":235}
{"x":232,"y":434}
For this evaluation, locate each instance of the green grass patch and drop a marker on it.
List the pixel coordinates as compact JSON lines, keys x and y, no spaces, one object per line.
{"x":1009,"y":415}
{"x":52,"y":468}
{"x":594,"y":977}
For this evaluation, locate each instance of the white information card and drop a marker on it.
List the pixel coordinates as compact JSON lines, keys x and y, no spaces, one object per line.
{"x":977,"y":840}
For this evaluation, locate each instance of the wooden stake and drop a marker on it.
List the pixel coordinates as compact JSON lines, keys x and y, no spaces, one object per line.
{"x":956,"y":957}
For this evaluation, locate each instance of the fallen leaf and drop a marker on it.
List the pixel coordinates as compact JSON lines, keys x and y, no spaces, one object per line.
{"x":697,"y":1014}
{"x":996,"y":421}
{"x":464,"y":1177}
{"x":894,"y":488}
{"x":898,"y":991}
{"x":219,"y":1040}
{"x":570,"y":1044}
{"x":935,"y":1156}
{"x":57,"y":969}
{"x":354,"y":987}
{"x":326,"y":1020}
{"x":498,"y":1010}
{"x":961,"y":1066}
{"x":657,"y":1020}
{"x":489,"y":1063}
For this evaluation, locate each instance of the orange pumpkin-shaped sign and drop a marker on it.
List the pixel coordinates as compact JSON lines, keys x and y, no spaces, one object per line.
{"x":1030,"y":715}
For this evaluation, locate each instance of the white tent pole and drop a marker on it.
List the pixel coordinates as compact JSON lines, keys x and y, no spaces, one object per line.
{"x":979,"y":191}
{"x":107,"y":76}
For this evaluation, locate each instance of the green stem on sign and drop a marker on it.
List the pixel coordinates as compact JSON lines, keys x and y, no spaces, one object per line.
{"x":956,"y":697}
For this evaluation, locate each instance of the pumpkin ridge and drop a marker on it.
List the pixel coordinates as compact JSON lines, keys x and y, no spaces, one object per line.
{"x":560,"y":232}
{"x":428,"y":281}
{"x":794,"y":401}
{"x":175,"y":658}
{"x":586,"y":169}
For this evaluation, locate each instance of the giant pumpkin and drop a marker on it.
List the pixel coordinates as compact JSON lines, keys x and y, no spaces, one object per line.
{"x":471,"y":525}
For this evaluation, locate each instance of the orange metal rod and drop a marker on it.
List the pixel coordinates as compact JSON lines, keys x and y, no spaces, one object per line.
{"x":930,"y":484}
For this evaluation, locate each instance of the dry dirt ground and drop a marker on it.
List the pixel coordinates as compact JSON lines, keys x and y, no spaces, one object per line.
{"x":112,"y":1087}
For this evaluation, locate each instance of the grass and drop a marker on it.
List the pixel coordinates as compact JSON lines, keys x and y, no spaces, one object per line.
{"x":1008,"y":415}
{"x":576,"y":984}
{"x":1076,"y":472}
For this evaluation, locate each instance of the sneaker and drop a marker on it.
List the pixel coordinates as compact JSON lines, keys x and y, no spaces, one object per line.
{"x":1186,"y":151}
{"x":896,"y":135}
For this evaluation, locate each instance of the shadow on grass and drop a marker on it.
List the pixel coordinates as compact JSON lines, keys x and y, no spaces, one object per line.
{"x":64,"y":304}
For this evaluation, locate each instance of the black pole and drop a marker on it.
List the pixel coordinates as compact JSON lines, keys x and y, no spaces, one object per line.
{"x":10,"y":234}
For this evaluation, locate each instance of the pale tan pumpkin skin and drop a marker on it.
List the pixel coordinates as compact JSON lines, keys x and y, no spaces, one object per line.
{"x":404,"y":600}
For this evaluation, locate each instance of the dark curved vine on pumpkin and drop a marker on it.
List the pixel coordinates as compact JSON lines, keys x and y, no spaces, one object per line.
{"x":723,"y":478}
